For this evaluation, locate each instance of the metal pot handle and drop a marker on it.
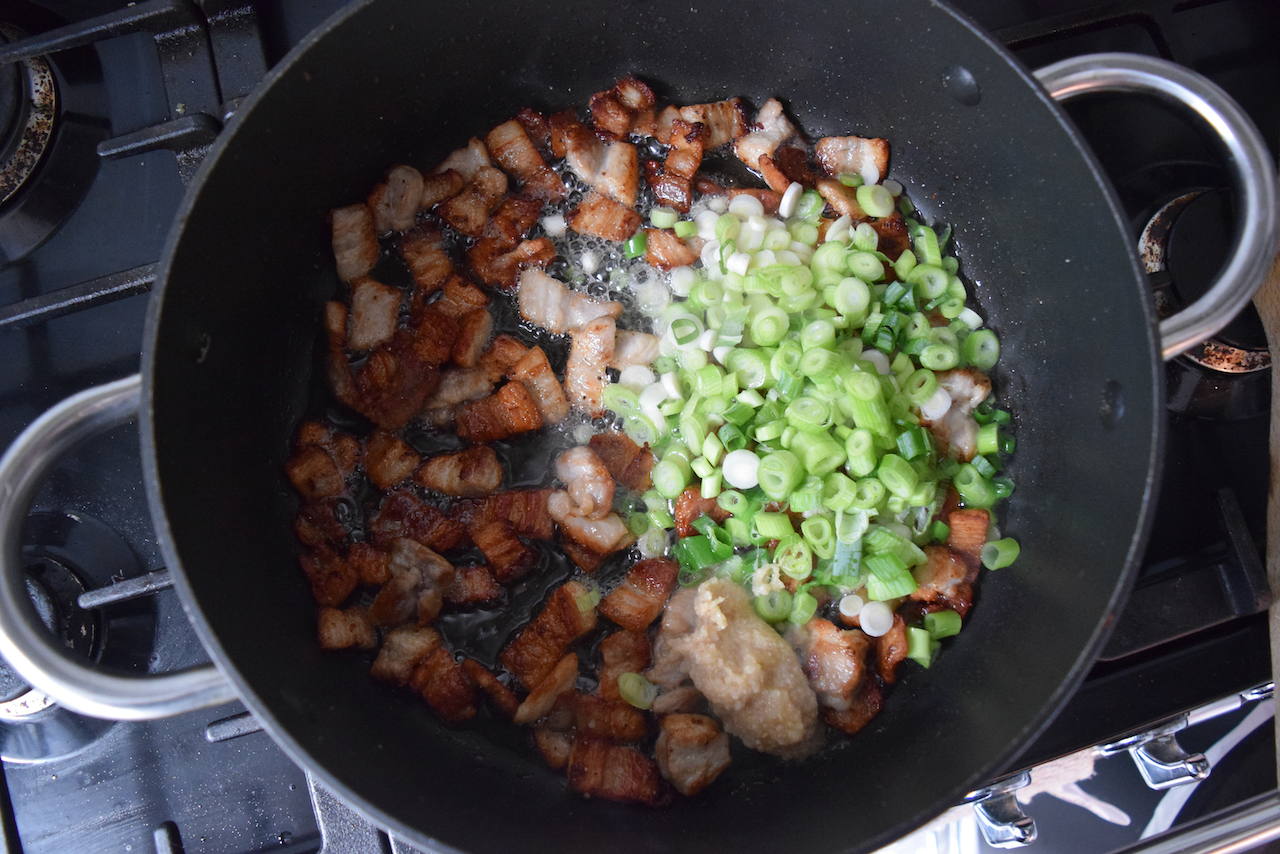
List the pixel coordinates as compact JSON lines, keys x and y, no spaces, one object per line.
{"x":24,"y":641}
{"x":1253,"y":174}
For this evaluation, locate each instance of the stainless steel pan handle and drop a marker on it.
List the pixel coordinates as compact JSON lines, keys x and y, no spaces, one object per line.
{"x":24,"y":641}
{"x":1253,"y":176}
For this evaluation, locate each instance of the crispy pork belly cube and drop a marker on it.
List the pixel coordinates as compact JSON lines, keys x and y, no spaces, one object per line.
{"x":598,"y":215}
{"x":590,"y":351}
{"x":583,"y":558}
{"x":600,"y":769}
{"x":423,"y":251}
{"x":419,"y":578}
{"x":842,"y":199}
{"x":322,"y":523}
{"x":724,"y":120}
{"x":610,"y":168}
{"x":893,"y":236}
{"x":672,"y":183}
{"x":568,"y":615}
{"x":499,"y":266}
{"x":634,"y":348}
{"x":613,"y":719}
{"x":526,"y":509}
{"x":691,"y":751}
{"x":588,"y":482}
{"x":614,"y":110}
{"x":833,"y":659}
{"x":469,"y":211}
{"x":332,"y":580}
{"x":434,"y":334}
{"x":473,"y":585}
{"x":866,"y":705}
{"x":457,"y":385}
{"x":345,"y":629}
{"x":866,"y":157}
{"x":394,"y":203}
{"x":402,"y":650}
{"x":772,"y":128}
{"x":968,"y":535}
{"x":630,"y":464}
{"x":942,"y":578}
{"x":403,"y":514}
{"x":621,"y":652}
{"x":391,"y":385}
{"x":440,"y":186}
{"x":355,"y":242}
{"x":602,"y":536}
{"x":441,"y":681}
{"x":500,"y":695}
{"x":388,"y":459}
{"x":689,"y":506}
{"x":372,"y":564}
{"x":553,"y":735}
{"x":503,"y":353}
{"x":547,"y":303}
{"x":683,"y":698}
{"x":537,"y":127}
{"x":460,"y":298}
{"x":473,"y":337}
{"x":314,"y":474}
{"x":535,"y":372}
{"x":466,"y":161}
{"x":540,"y":700}
{"x":666,"y":251}
{"x":469,"y":473}
{"x":511,"y":147}
{"x":642,"y":595}
{"x":344,"y":449}
{"x":891,"y":649}
{"x":509,"y":557}
{"x":508,"y":411}
{"x":375,"y":308}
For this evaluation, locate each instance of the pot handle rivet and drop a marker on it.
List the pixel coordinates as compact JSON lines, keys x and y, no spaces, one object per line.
{"x":1252,"y":172}
{"x":25,"y":644}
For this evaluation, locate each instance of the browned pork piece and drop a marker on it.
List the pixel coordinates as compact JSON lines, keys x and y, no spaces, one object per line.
{"x":344,"y":629}
{"x":630,"y":464}
{"x":511,"y":147}
{"x":612,"y":719}
{"x":504,"y":351}
{"x":419,"y":577}
{"x":955,"y":430}
{"x":473,"y":585}
{"x":666,"y":251}
{"x":772,"y":129}
{"x":893,"y":238}
{"x":468,"y":212}
{"x":355,"y":242}
{"x":371,"y":563}
{"x":509,"y":557}
{"x":601,"y":536}
{"x":866,"y":157}
{"x":600,"y":216}
{"x":891,"y":649}
{"x":724,"y":121}
{"x":332,"y":579}
{"x":466,"y":161}
{"x":535,"y":372}
{"x":691,"y":751}
{"x":315,"y":474}
{"x":422,"y":249}
{"x":459,"y":299}
{"x":388,"y":459}
{"x":394,"y":203}
{"x":968,"y":535}
{"x":640,"y":598}
{"x":613,"y":111}
{"x":473,"y":337}
{"x":553,"y":735}
{"x":508,"y":411}
{"x":403,"y":514}
{"x":540,"y":700}
{"x":621,"y":652}
{"x":689,"y":506}
{"x":526,"y":509}
{"x":569,"y":614}
{"x":609,"y":168}
{"x":548,"y":303}
{"x":942,"y":579}
{"x":457,"y":385}
{"x":498,"y":693}
{"x":468,"y":473}
{"x":435,"y":331}
{"x":587,"y":481}
{"x":391,"y":385}
{"x":590,"y":352}
{"x":866,"y":704}
{"x":402,"y":650}
{"x":439,"y":186}
{"x":834,"y":660}
{"x":601,"y":769}
{"x":843,"y":200}
{"x":375,"y":309}
{"x":672,"y":181}
{"x":498,"y":257}
{"x":441,"y":681}
{"x":324,"y":522}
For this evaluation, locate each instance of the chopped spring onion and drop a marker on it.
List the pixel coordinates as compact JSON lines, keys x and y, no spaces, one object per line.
{"x":998,"y":554}
{"x":875,"y":200}
{"x":637,"y":690}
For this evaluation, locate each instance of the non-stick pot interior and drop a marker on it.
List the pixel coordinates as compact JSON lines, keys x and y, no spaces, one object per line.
{"x":230,"y":354}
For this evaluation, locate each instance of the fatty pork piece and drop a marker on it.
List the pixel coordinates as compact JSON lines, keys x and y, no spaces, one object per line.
{"x":511,"y":147}
{"x":439,"y":186}
{"x":843,"y":154}
{"x":535,"y":372}
{"x":640,"y":598}
{"x":526,"y":509}
{"x":332,"y":579}
{"x":498,"y":257}
{"x":390,"y":386}
{"x":508,"y":556}
{"x":474,"y":331}
{"x":499,"y":694}
{"x":569,"y":614}
{"x":628,"y":463}
{"x":321,"y":462}
{"x":967,"y":537}
{"x":613,"y":111}
{"x":634,"y":348}
{"x":473,"y":585}
{"x":540,"y":700}
{"x":403,"y":514}
{"x":691,"y":751}
{"x":422,"y":249}
{"x":621,"y":652}
{"x":600,"y":216}
{"x":672,"y":180}
{"x":466,"y":161}
{"x":835,"y":660}
{"x":948,"y":415}
{"x":458,"y":385}
{"x":371,"y":563}
{"x":508,"y":411}
{"x":442,"y":682}
{"x":344,"y":629}
{"x":772,"y":129}
{"x":610,"y":168}
{"x":587,"y":481}
{"x":665,"y":251}
{"x":355,"y":241}
{"x":419,"y":577}
{"x":469,"y":210}
{"x":325,"y":522}
{"x":402,"y":650}
{"x":613,"y":719}
{"x":724,"y":121}
{"x":601,"y":769}
{"x":602,"y":536}
{"x":375,"y":310}
{"x":394,"y":203}
{"x":591,"y":349}
{"x":748,"y":673}
{"x":468,"y":473}
{"x":388,"y":459}
{"x":549,"y":304}
{"x":942,"y":579}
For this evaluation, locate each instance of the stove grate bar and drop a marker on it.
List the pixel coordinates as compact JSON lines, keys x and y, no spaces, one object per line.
{"x":1154,"y":16}
{"x":69,"y":300}
{"x":123,"y":591}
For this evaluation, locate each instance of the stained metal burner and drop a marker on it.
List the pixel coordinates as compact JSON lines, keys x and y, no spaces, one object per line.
{"x":31,"y":104}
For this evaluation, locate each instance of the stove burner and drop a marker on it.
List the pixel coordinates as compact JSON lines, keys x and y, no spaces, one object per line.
{"x":29,"y":109}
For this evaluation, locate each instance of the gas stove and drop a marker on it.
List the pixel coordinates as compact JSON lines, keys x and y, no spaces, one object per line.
{"x":106,"y":109}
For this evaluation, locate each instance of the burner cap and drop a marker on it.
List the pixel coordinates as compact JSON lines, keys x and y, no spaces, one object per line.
{"x":28,"y":108}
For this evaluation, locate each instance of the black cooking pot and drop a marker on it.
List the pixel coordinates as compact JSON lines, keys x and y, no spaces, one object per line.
{"x":979,"y":145}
